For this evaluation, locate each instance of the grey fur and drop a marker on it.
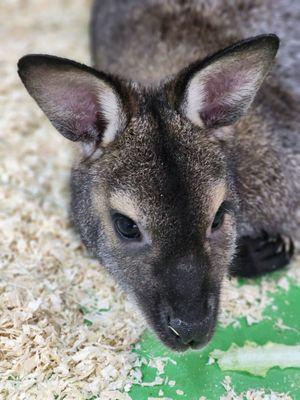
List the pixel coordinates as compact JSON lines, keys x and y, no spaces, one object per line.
{"x":165,"y":36}
{"x":172,"y":170}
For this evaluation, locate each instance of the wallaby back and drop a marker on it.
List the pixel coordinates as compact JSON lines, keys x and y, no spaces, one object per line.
{"x":150,"y":39}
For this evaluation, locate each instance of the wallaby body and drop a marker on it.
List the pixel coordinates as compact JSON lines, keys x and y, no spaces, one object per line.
{"x":173,"y":190}
{"x":151,"y":39}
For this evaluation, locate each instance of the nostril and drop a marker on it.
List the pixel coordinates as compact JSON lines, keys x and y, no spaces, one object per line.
{"x":188,"y":333}
{"x":173,"y":330}
{"x":174,"y":324}
{"x":180,"y":330}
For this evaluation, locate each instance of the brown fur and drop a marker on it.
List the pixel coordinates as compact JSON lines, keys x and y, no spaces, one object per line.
{"x":183,"y":31}
{"x":165,"y":171}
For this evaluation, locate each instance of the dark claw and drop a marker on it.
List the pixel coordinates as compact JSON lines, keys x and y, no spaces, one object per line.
{"x":291,"y":251}
{"x":257,"y":256}
{"x":269,"y":248}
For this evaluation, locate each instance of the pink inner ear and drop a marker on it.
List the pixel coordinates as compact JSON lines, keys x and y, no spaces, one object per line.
{"x":80,"y":108}
{"x":224,"y":92}
{"x":213,"y":114}
{"x":227,"y":82}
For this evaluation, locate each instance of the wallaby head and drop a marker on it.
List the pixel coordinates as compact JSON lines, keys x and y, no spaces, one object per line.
{"x":153,"y":194}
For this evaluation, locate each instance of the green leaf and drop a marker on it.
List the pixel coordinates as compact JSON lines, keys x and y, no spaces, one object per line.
{"x":87,"y":322}
{"x":257,"y":360}
{"x":84,"y":310}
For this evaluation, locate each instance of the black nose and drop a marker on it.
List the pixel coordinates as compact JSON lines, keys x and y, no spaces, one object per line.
{"x":189,"y":333}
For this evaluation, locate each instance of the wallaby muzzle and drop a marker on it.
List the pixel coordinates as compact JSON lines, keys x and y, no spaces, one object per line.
{"x":184,"y":311}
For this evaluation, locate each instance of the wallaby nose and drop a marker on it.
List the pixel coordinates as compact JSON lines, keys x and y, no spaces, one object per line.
{"x":188,"y":333}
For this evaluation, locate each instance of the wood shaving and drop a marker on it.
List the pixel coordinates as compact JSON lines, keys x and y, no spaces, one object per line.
{"x":49,"y":286}
{"x":251,"y":394}
{"x":66,"y":330}
{"x":160,"y":398}
{"x":157,"y":382}
{"x":250,"y":300}
{"x":280,"y":325}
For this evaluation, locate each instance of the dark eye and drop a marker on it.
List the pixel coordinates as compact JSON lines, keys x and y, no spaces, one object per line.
{"x":219,"y":218}
{"x":126,"y":227}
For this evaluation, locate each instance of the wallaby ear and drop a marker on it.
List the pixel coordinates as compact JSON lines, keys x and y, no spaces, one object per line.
{"x":217,"y":91}
{"x":82,"y":103}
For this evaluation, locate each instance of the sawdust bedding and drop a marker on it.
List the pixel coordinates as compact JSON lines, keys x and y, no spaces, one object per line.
{"x":66,"y":329}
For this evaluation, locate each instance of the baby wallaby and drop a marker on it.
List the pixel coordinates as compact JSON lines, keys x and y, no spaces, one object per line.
{"x":175,"y":187}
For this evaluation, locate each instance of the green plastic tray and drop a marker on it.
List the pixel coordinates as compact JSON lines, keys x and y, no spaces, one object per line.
{"x":195,"y":378}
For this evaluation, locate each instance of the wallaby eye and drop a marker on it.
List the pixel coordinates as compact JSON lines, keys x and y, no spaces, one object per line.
{"x":219,"y":218}
{"x":126,"y":227}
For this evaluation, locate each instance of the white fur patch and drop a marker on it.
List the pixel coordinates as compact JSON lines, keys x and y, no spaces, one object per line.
{"x":122,"y":202}
{"x":194,"y":101}
{"x":111,"y":107}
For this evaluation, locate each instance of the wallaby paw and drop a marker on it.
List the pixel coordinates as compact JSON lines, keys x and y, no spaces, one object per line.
{"x":258,"y":256}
